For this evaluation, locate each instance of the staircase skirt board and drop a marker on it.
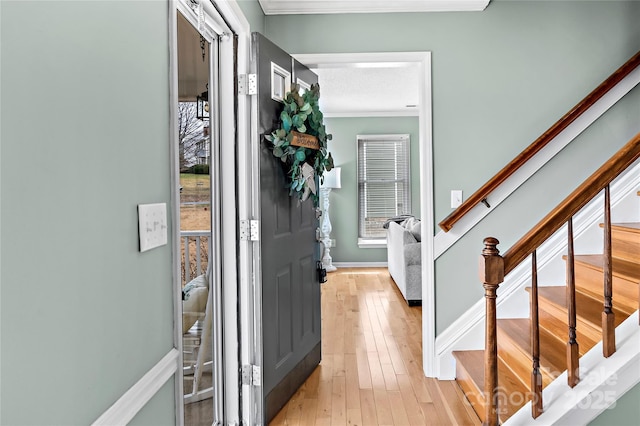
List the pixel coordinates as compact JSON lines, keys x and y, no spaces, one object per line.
{"x":514,"y":341}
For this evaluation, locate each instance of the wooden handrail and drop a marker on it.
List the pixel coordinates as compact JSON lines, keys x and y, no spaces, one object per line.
{"x":572,"y":204}
{"x":481,"y":194}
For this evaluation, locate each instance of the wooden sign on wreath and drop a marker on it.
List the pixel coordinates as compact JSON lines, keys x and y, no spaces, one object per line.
{"x":304,"y":140}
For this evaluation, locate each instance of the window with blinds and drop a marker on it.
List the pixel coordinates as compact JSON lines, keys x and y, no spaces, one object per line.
{"x":384,"y":187}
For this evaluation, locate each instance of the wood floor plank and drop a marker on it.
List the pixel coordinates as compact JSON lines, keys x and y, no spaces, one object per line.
{"x":383,"y":407}
{"x":339,"y":402}
{"x":451,"y":398}
{"x":398,"y":410}
{"x":338,"y":365}
{"x":368,"y":407}
{"x":309,"y":408}
{"x":323,"y":409}
{"x":377,"y":378}
{"x":364,"y":375}
{"x":440,"y":403}
{"x":354,"y":417}
{"x":371,"y":369}
{"x":352,"y":385}
{"x":473,"y":416}
{"x":294,"y":408}
{"x":410,"y":402}
{"x":396,"y":357}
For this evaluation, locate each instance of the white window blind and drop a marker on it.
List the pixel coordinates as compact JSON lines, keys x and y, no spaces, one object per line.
{"x":384,"y":187}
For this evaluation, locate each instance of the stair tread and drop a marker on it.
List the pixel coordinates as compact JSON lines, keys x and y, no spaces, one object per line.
{"x":629,"y":226}
{"x":622,"y":268}
{"x":552,"y":350}
{"x":508,"y":382}
{"x":590,"y":310}
{"x":633,"y":227}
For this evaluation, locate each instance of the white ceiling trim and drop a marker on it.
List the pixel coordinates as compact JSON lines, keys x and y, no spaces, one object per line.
{"x":305,"y":7}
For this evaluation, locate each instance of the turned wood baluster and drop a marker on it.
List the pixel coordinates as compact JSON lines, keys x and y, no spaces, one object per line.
{"x":536,"y":377}
{"x":572,"y":345}
{"x":608,"y":317}
{"x":491,"y":275}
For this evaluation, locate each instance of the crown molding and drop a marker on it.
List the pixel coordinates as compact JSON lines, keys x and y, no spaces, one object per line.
{"x":297,"y":7}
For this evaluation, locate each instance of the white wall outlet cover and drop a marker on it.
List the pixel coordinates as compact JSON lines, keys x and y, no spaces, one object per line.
{"x":152,"y":225}
{"x":456,"y":198}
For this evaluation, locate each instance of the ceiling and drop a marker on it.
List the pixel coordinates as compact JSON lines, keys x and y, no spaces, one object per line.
{"x":369,"y":89}
{"x":193,"y":72}
{"x":290,"y":7}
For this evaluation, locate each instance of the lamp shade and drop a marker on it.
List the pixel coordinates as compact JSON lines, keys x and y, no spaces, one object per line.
{"x":332,"y":179}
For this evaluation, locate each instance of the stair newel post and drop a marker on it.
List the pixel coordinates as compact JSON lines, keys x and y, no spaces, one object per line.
{"x":491,"y":275}
{"x":536,"y":377}
{"x":608,"y":317}
{"x":572,"y":345}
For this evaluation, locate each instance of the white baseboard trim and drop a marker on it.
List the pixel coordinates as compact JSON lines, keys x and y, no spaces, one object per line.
{"x":444,"y":240}
{"x":602,"y":382}
{"x":467,"y":332}
{"x":360,"y":264}
{"x":128,"y":405}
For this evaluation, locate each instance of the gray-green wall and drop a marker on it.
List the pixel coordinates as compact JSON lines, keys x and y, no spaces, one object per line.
{"x":254,"y":14}
{"x":625,"y":413}
{"x":85,"y":138}
{"x":343,"y":209}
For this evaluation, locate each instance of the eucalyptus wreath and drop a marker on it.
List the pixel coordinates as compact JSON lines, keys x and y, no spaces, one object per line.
{"x":302,"y":114}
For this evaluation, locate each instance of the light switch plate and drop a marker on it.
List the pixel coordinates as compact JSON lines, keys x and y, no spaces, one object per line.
{"x":152,"y":225}
{"x":456,"y":198}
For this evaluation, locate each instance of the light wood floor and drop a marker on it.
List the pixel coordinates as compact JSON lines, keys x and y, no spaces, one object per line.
{"x":371,"y":369}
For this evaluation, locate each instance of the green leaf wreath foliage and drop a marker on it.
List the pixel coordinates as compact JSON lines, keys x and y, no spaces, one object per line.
{"x":301,"y":113}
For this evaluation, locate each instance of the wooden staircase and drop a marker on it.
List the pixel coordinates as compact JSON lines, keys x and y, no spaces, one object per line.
{"x":513,"y":335}
{"x":522,"y":356}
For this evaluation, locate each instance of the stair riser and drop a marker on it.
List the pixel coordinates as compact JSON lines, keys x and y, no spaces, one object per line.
{"x":513,"y":391}
{"x":625,"y":244}
{"x":519,"y":361}
{"x":591,"y":282}
{"x":587,"y":337}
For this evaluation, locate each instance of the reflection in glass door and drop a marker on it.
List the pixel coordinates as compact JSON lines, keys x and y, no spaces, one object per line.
{"x":198,"y":245}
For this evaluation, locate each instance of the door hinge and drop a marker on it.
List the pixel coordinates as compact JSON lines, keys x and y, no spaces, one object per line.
{"x":251,"y":375}
{"x":247,"y":84}
{"x":250,"y":230}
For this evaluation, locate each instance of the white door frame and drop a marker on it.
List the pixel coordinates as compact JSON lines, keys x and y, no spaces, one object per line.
{"x":207,"y":18}
{"x":243,"y":401}
{"x":423,"y":60}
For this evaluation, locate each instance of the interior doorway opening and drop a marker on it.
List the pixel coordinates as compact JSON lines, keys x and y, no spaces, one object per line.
{"x":334,"y":65}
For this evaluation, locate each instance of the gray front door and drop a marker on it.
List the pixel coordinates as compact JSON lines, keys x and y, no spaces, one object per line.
{"x":288,"y":248}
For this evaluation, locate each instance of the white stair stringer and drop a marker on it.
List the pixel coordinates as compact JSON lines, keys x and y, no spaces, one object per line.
{"x":602,"y":382}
